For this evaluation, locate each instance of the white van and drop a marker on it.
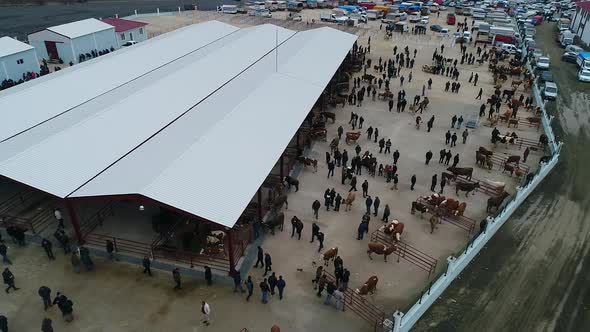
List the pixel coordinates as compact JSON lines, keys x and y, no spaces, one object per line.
{"x":574,"y":49}
{"x":509,"y":48}
{"x":550,"y":91}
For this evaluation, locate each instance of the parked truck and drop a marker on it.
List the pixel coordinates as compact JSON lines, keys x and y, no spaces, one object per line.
{"x":583,"y":60}
{"x":333,"y":18}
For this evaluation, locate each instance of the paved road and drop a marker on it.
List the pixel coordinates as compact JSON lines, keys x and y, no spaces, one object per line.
{"x":534,"y":275}
{"x":20,"y":21}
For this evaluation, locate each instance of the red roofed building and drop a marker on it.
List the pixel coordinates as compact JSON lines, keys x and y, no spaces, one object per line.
{"x":127,"y":30}
{"x":580,"y":20}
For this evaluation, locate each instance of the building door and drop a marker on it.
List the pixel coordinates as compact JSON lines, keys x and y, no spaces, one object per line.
{"x":131,"y":36}
{"x":51,"y":50}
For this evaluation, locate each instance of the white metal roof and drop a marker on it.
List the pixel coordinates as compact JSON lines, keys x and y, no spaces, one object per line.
{"x":179,"y":134}
{"x":9,"y":46}
{"x":74,"y":86}
{"x":80,"y":28}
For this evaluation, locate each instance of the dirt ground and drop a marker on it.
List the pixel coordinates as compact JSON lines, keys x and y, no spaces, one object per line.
{"x":123,"y":288}
{"x":534,"y":274}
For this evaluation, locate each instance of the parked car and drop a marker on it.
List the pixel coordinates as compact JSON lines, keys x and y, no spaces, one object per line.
{"x":584,"y":75}
{"x":436,"y":28}
{"x":544,"y":76}
{"x":569,"y":57}
{"x":543,"y":62}
{"x":574,"y":49}
{"x":550,"y":91}
{"x":129,"y":43}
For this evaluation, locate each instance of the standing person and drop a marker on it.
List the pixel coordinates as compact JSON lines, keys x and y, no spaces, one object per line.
{"x":260,"y":257}
{"x":267,"y":263}
{"x":344,"y":158}
{"x":45,"y":293}
{"x":428,"y":156}
{"x":272,"y":283}
{"x":443,"y":182}
{"x":250,"y":288}
{"x":208,"y":275}
{"x":447,"y":137}
{"x":369,"y":203}
{"x":9,"y":280}
{"x":264,"y":289}
{"x":434,"y":182}
{"x":353,"y":184}
{"x":381,"y":145}
{"x":464,"y":135}
{"x":376,"y":203}
{"x":4,"y":253}
{"x":206,"y":311}
{"x":315,"y":229}
{"x":281,"y":284}
{"x":361,"y":120}
{"x":388,"y":146}
{"x":390,"y":104}
{"x":442,"y":154}
{"x":362,"y":229}
{"x":339,"y":300}
{"x":483,"y":225}
{"x":430,"y":123}
{"x":110,"y":249}
{"x":315,"y":206}
{"x":376,"y":133}
{"x":448,"y":157}
{"x":430,"y":84}
{"x":413,"y":181}
{"x":479,"y":97}
{"x":327,"y":199}
{"x":365,"y":187}
{"x":85,"y":258}
{"x":46,"y":244}
{"x":459,"y":121}
{"x":320,"y":240}
{"x":395,"y":156}
{"x":76,"y":263}
{"x":453,"y":121}
{"x":46,"y":325}
{"x":176,"y":277}
{"x":386,"y":213}
{"x":395,"y":181}
{"x":238,"y":282}
{"x":328,"y":158}
{"x":337,"y":202}
{"x":455,"y":160}
{"x":58,"y":217}
{"x":63,"y":239}
{"x":340,"y":132}
{"x":299,"y":229}
{"x":454,"y":140}
{"x":475,"y":79}
{"x":146,"y":263}
{"x":330,"y":288}
{"x":525,"y":155}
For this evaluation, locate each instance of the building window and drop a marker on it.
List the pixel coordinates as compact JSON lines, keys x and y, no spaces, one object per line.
{"x":20,"y":61}
{"x":141,"y":31}
{"x":122,"y":36}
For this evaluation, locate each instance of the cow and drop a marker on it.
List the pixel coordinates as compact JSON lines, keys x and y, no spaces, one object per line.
{"x":485,"y":151}
{"x":513,"y":159}
{"x":329,"y":115}
{"x":380,"y":249}
{"x":308,"y":162}
{"x":449,"y":205}
{"x":495,"y":202}
{"x":465,"y":171}
{"x":329,"y":254}
{"x":398,"y":229}
{"x":273,"y":221}
{"x":369,"y":286}
{"x":290,"y":181}
{"x":417,"y":206}
{"x":509,"y":168}
{"x":467,"y":187}
{"x":461,"y":209}
{"x":435,"y":199}
{"x":277,"y":203}
{"x":348,"y":201}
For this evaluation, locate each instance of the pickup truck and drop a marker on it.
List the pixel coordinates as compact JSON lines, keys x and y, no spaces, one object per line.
{"x":332,"y":18}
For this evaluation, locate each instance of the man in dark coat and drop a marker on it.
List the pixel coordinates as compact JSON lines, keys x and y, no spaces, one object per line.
{"x":369,"y":203}
{"x":327,"y":199}
{"x":442,"y":154}
{"x":353,"y":184}
{"x":428,"y":156}
{"x":267,"y":263}
{"x":146,"y":263}
{"x":443,"y":182}
{"x":413,"y":181}
{"x":208,"y":276}
{"x":456,"y":160}
{"x":434,"y":182}
{"x":315,"y":229}
{"x":4,"y":253}
{"x":395,"y":156}
{"x":386,"y":213}
{"x":176,"y":277}
{"x":376,"y":203}
{"x":337,"y":202}
{"x":365,"y":187}
{"x":315,"y":206}
{"x":9,"y":280}
{"x":260,"y":257}
{"x":362,"y":229}
{"x":448,"y":157}
{"x":45,"y":293}
{"x":320,"y":237}
{"x":46,"y":244}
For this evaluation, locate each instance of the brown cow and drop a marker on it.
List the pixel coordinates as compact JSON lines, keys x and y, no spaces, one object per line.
{"x":449,"y":205}
{"x":380,"y":249}
{"x":308,"y":162}
{"x":485,"y":151}
{"x":275,"y":328}
{"x":369,"y":286}
{"x":509,"y":168}
{"x":513,"y":159}
{"x":398,"y":229}
{"x":436,"y":199}
{"x":348,"y":201}
{"x":461,"y":209}
{"x":329,"y":254}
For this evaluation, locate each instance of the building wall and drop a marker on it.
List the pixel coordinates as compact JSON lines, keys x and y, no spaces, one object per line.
{"x":10,"y":69}
{"x":98,"y":41}
{"x":137,"y":34}
{"x":37,"y":40}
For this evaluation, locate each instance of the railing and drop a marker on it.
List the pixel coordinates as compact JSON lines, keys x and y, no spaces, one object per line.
{"x":500,"y":161}
{"x":120,"y":245}
{"x":484,"y":187}
{"x":11,"y":213}
{"x":407,"y":252}
{"x":360,"y":306}
{"x":96,"y":219}
{"x":462,"y":222}
{"x":220,"y":263}
{"x":15,"y":200}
